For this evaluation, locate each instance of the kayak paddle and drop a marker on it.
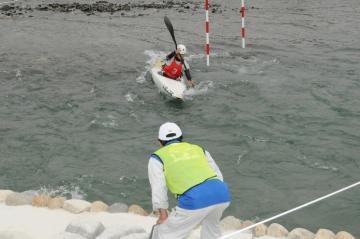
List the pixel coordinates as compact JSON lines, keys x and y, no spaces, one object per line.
{"x":171,"y":30}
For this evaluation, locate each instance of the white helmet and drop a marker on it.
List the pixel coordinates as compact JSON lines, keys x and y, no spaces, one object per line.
{"x":169,"y":131}
{"x":182,"y":49}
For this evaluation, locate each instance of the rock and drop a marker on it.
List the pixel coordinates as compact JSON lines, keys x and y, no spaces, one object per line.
{"x":40,"y":201}
{"x":4,"y":194}
{"x":137,"y":236}
{"x":344,"y":235}
{"x":118,"y":207}
{"x":17,"y":199}
{"x":154,"y":214}
{"x":98,"y":206}
{"x":6,"y":8}
{"x":324,"y":234}
{"x":136,"y":209}
{"x":67,"y":235}
{"x":230,"y":223}
{"x":260,"y":230}
{"x":30,"y":193}
{"x":88,"y":228}
{"x":300,"y":233}
{"x":277,"y":230}
{"x":9,"y":234}
{"x":246,"y":223}
{"x":115,"y":232}
{"x":76,"y":206}
{"x":56,"y":203}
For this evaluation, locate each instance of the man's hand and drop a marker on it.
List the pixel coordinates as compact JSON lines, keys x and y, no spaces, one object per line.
{"x":163,"y":215}
{"x":192,"y":83}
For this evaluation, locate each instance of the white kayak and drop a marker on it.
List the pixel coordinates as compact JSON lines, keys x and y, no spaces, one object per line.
{"x":172,"y":88}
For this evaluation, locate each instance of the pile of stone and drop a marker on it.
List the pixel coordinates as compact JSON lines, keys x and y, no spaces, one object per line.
{"x":90,"y":228}
{"x":101,"y":7}
{"x":11,"y":198}
{"x":276,"y":230}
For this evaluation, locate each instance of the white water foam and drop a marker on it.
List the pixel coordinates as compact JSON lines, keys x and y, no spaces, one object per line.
{"x":68,"y":191}
{"x":18,"y":74}
{"x":14,"y":1}
{"x":201,"y":89}
{"x":129,"y":97}
{"x":154,"y":55}
{"x":108,"y":121}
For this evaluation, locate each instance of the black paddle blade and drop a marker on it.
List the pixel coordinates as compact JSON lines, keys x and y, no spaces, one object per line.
{"x":170,"y":28}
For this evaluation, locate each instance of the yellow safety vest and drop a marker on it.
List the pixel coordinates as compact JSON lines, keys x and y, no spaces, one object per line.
{"x":185,"y":166}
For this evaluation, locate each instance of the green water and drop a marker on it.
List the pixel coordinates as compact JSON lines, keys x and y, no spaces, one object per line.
{"x":79,"y":115}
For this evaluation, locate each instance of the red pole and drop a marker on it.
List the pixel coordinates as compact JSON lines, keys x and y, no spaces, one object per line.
{"x":243,"y":23}
{"x":207,"y":33}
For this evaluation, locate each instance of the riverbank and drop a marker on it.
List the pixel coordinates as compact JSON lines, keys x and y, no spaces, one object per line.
{"x":29,"y":215}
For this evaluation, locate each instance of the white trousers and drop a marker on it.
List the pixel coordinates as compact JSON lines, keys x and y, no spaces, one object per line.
{"x":181,"y":222}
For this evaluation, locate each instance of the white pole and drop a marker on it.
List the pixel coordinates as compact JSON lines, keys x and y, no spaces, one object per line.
{"x":243,"y":23}
{"x":291,"y":210}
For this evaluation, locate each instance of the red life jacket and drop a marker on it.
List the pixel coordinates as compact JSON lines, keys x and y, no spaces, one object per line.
{"x":174,"y":70}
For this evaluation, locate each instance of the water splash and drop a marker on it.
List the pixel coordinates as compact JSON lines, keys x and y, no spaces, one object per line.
{"x":201,"y":89}
{"x":130,"y":97}
{"x":109,"y":122}
{"x":18,"y":74}
{"x":71,"y":191}
{"x":154,"y":56}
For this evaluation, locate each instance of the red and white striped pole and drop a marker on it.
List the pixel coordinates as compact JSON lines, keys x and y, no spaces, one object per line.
{"x":207,"y":33}
{"x":243,"y":23}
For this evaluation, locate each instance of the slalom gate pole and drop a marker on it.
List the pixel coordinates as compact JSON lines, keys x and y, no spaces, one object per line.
{"x":243,"y":23}
{"x":207,"y":33}
{"x":291,"y":210}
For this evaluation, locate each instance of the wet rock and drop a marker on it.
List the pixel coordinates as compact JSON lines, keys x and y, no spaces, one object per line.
{"x":247,"y":223}
{"x":98,"y":206}
{"x":118,"y":207}
{"x":76,"y":206}
{"x":18,"y":199}
{"x":230,"y":223}
{"x":104,"y":6}
{"x":260,"y":230}
{"x":344,"y":235}
{"x":136,"y":209}
{"x":40,"y":201}
{"x":301,"y":233}
{"x":42,"y":8}
{"x":56,"y":203}
{"x":4,"y":194}
{"x":119,"y":232}
{"x":187,"y":6}
{"x":85,"y":7}
{"x":277,"y":230}
{"x":88,"y":228}
{"x":6,"y":8}
{"x":324,"y":234}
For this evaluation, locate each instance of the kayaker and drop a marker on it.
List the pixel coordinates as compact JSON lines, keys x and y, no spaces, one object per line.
{"x":174,"y":65}
{"x":191,"y":174}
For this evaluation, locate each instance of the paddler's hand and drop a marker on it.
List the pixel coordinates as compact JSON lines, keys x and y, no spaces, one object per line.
{"x":192,"y":83}
{"x":163,"y":215}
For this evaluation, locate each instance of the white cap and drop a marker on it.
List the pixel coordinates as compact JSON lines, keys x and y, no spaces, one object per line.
{"x":182,"y":49}
{"x":169,"y":131}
